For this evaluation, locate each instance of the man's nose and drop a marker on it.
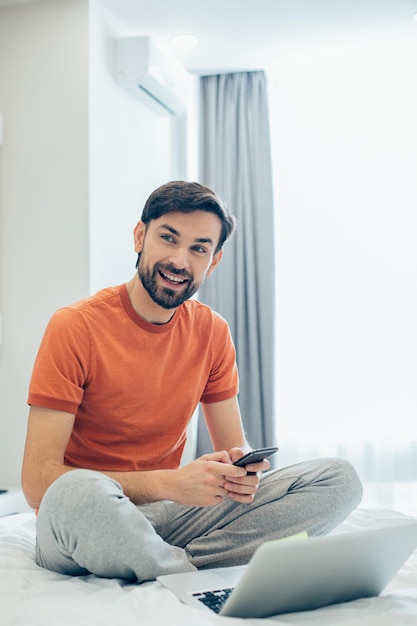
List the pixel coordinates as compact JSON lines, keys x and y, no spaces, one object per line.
{"x":180,"y":258}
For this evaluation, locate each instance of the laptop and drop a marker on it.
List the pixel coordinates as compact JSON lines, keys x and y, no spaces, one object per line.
{"x":301,"y":574}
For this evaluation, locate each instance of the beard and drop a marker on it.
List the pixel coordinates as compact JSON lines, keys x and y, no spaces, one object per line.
{"x":164,"y":296}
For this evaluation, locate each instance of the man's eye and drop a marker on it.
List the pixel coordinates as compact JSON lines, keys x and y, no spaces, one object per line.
{"x":167,"y":237}
{"x":199,"y":249}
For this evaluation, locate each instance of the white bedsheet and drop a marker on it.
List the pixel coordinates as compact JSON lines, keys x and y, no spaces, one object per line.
{"x":32,"y":596}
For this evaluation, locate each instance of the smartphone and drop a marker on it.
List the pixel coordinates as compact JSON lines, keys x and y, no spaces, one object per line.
{"x":255,"y":456}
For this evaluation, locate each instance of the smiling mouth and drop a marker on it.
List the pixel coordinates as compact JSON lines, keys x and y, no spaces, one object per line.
{"x":172,"y":279}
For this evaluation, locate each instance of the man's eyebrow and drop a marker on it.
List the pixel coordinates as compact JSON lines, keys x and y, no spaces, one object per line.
{"x":171,"y":230}
{"x":177,"y":234}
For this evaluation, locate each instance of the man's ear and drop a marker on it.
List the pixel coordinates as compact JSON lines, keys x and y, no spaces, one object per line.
{"x":139,"y":236}
{"x":214,"y":263}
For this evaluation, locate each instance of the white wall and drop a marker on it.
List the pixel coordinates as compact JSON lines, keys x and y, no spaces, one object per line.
{"x":78,"y":160}
{"x":43,"y":192}
{"x":345,"y":148}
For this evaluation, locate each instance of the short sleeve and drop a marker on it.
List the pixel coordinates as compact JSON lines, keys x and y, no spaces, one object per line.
{"x":62,"y":363}
{"x":223,"y":382}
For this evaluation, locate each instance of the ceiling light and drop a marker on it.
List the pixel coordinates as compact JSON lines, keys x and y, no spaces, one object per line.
{"x":184,"y":41}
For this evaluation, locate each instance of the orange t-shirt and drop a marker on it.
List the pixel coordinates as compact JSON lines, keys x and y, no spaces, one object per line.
{"x":132,"y":385}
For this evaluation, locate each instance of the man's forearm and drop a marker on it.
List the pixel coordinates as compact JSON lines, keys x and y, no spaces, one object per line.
{"x":37,"y":478}
{"x":147,"y":486}
{"x":200,"y":483}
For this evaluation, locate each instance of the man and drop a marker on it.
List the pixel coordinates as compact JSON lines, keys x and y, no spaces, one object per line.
{"x":115,"y":383}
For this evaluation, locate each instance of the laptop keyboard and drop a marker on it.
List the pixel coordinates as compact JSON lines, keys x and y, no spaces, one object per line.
{"x":215,"y":599}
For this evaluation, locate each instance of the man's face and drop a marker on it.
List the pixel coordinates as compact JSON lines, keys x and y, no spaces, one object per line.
{"x":177,"y":254}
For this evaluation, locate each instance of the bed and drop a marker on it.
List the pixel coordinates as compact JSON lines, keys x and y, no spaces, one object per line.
{"x":32,"y":596}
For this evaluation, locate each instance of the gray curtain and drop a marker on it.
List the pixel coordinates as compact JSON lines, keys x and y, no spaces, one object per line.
{"x":236,"y":162}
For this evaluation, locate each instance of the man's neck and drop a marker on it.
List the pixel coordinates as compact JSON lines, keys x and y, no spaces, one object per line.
{"x":145,"y":306}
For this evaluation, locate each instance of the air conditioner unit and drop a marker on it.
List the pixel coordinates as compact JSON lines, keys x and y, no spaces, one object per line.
{"x":152,"y":75}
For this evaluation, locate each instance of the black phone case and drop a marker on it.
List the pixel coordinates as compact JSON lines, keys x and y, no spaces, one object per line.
{"x":255,"y":456}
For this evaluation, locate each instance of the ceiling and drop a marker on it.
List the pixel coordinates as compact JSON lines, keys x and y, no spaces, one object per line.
{"x":240,"y":35}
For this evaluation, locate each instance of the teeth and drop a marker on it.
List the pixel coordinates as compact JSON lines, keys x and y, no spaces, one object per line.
{"x":174,"y":279}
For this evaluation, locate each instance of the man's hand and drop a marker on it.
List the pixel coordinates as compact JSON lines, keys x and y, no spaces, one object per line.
{"x":212,"y":477}
{"x":243,"y":488}
{"x":202,"y":482}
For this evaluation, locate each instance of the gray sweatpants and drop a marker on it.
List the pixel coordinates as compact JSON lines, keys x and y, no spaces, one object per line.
{"x":87,"y":525}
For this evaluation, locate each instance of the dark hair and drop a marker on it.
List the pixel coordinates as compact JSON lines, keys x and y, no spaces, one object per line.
{"x":186,"y":197}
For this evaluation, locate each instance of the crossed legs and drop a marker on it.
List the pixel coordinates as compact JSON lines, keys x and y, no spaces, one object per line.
{"x":86,"y":524}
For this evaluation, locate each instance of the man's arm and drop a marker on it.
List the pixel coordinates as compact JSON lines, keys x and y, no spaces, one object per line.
{"x":224,"y":424}
{"x":48,"y":433}
{"x":201,"y":483}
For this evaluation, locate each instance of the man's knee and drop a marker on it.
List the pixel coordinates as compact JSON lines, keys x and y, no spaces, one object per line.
{"x":77,"y":490}
{"x":337,"y":475}
{"x":72,"y":511}
{"x":351,"y":481}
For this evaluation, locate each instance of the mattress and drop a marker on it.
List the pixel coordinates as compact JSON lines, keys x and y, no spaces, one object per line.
{"x":32,"y":596}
